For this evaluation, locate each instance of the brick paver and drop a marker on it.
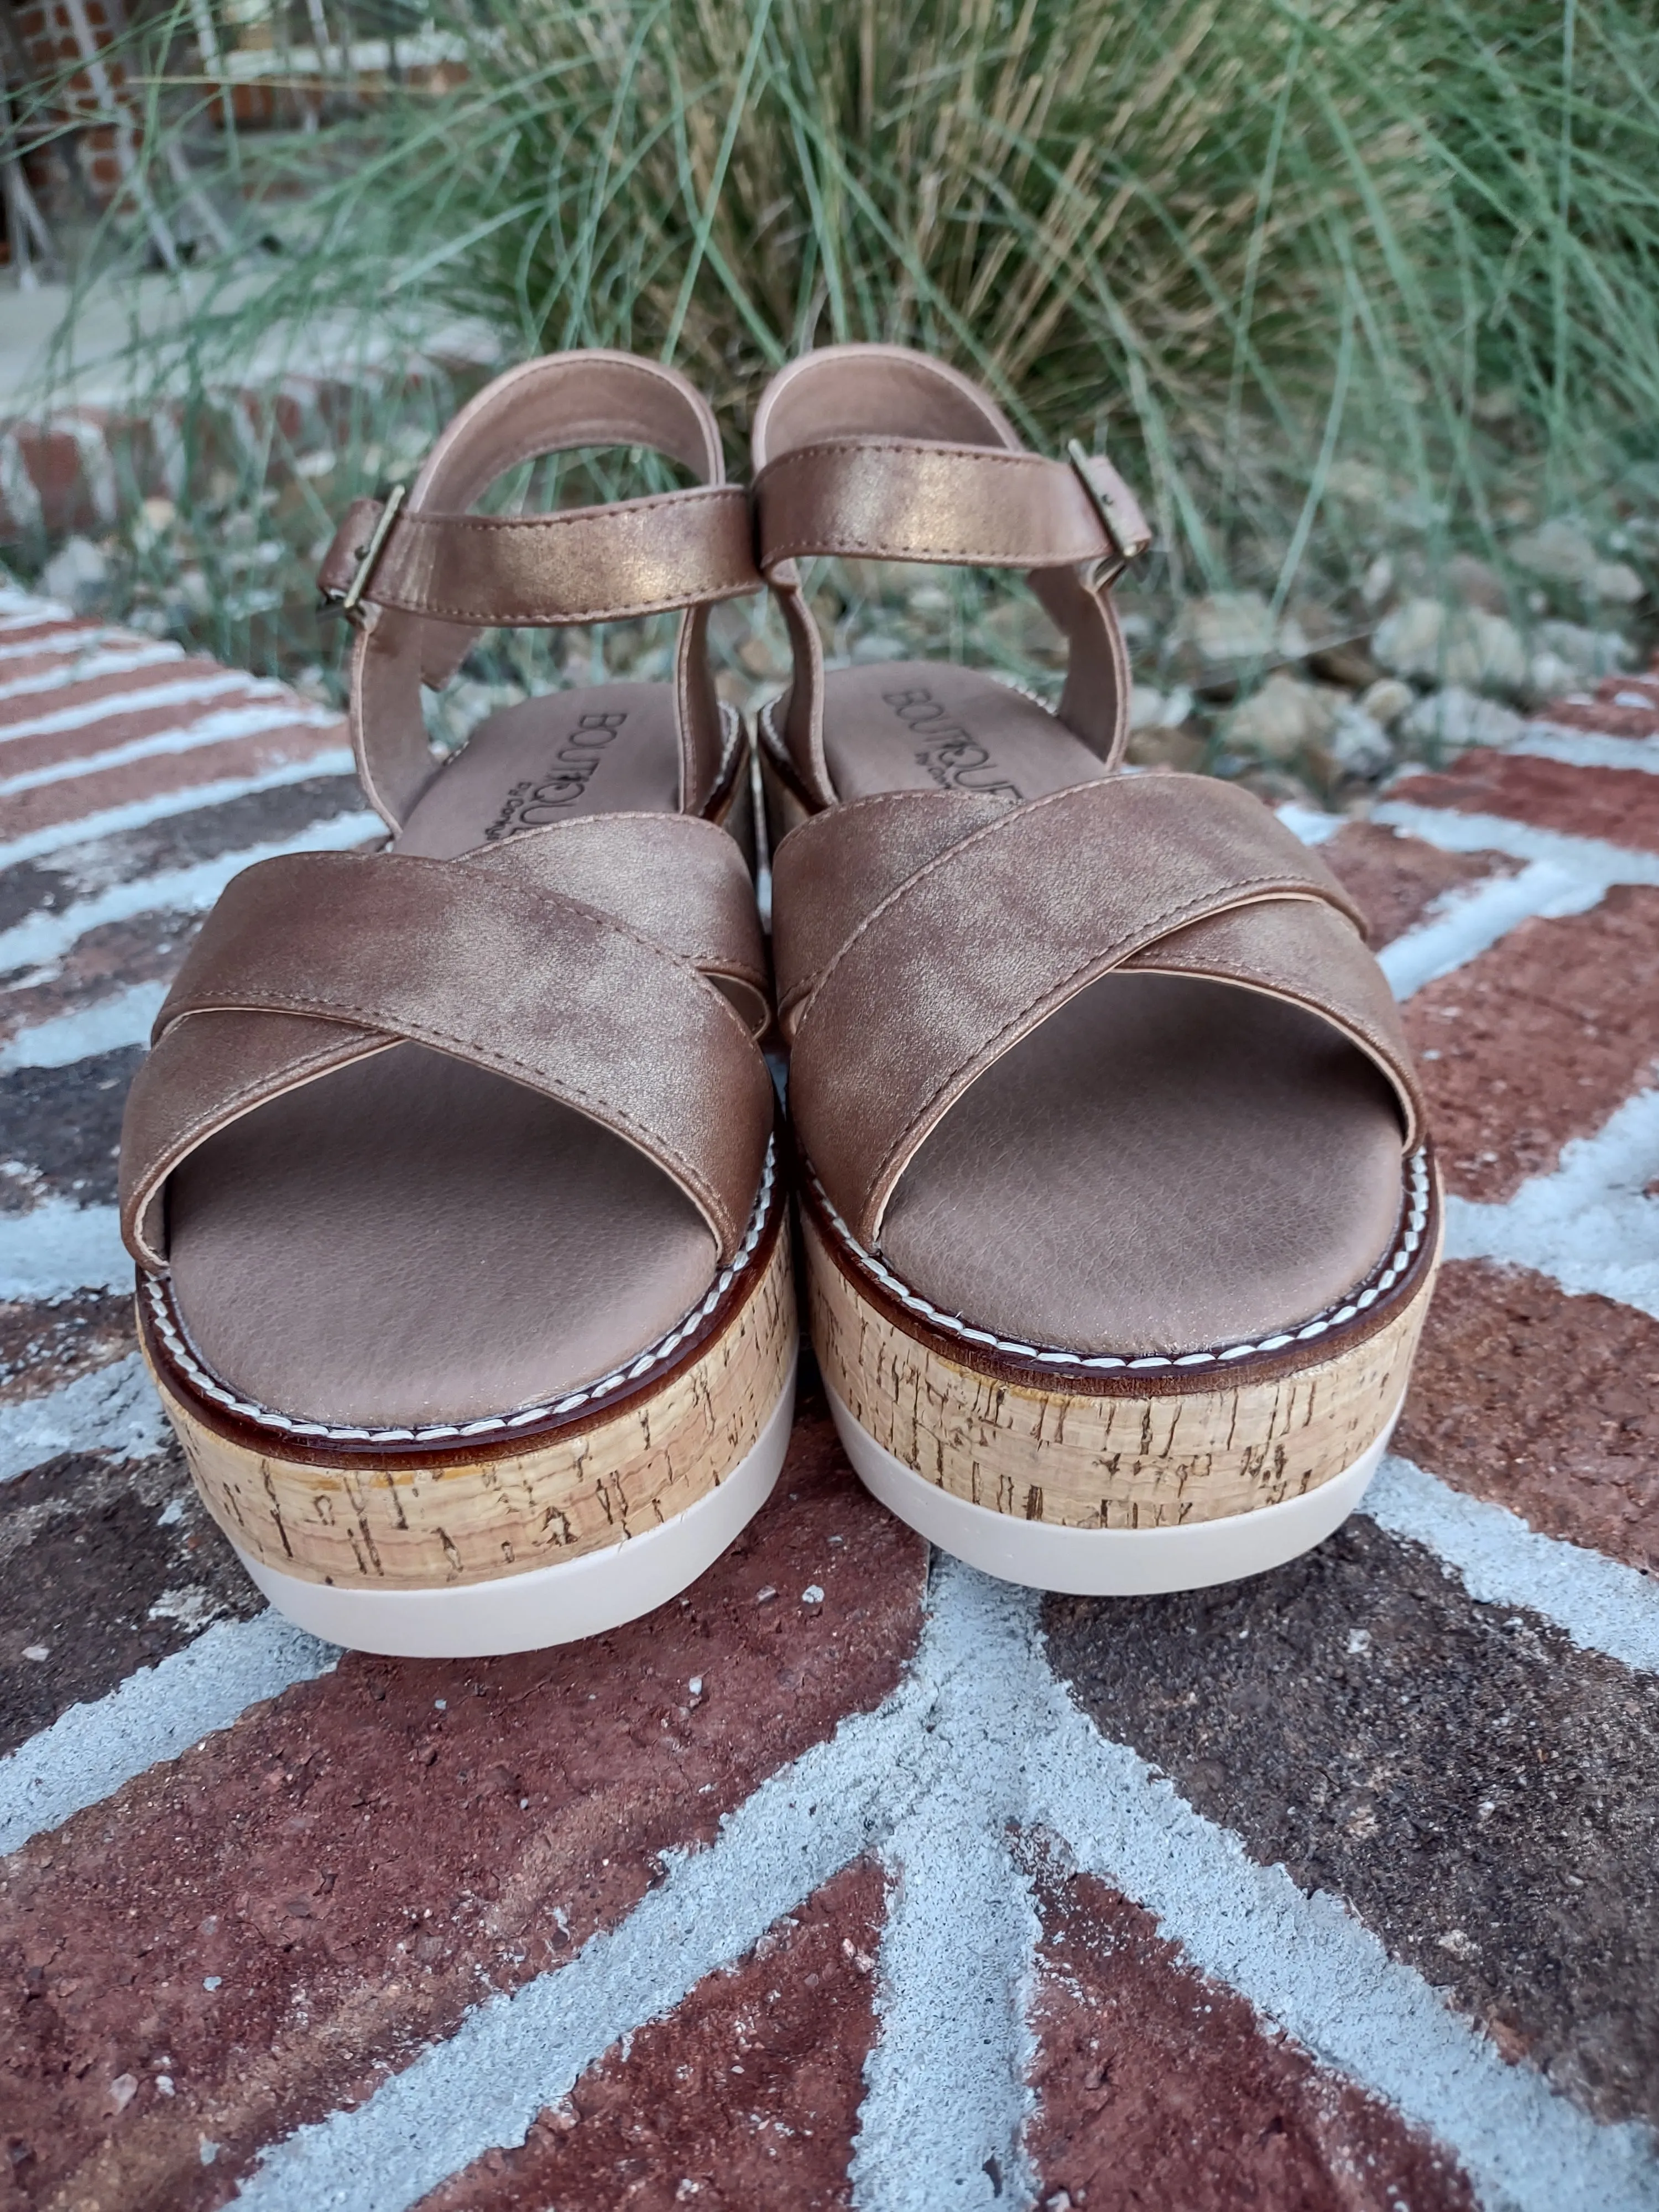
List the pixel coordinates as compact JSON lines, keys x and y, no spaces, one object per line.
{"x":1537,"y":1040}
{"x":1332,"y":1888}
{"x":1618,"y":805}
{"x":748,"y":2094}
{"x":1156,"y":2085}
{"x":1544,"y":1403}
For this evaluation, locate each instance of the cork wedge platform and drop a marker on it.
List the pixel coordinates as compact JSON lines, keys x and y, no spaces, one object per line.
{"x":452,"y":1177}
{"x":1119,"y":1217}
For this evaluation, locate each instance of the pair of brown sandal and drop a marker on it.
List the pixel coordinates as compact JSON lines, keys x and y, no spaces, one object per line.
{"x":453,"y":1181}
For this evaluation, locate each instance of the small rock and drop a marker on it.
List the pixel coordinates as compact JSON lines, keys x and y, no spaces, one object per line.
{"x":1379,"y":581}
{"x":1386,"y":701}
{"x":1563,"y":552}
{"x":452,"y":714}
{"x":1346,"y":663}
{"x":1159,"y":710}
{"x":1452,"y":645}
{"x":1548,"y":676}
{"x":1452,"y":719}
{"x":1361,"y":484}
{"x":1589,"y":653}
{"x":1613,"y":579}
{"x":1230,"y":627}
{"x":156,"y":518}
{"x":1359,"y":745}
{"x":79,"y":573}
{"x":868,"y":649}
{"x":122,"y":2091}
{"x":1284,"y":717}
{"x":1182,"y":750}
{"x":1477,"y":584}
{"x":194,"y":594}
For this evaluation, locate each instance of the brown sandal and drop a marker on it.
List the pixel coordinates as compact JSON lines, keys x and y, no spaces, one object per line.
{"x":450,"y":1178}
{"x":1120,"y":1217}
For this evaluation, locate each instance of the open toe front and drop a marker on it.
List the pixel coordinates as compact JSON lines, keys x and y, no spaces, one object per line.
{"x":1167,"y":1164}
{"x":1119,"y":1214}
{"x":451,"y":1177}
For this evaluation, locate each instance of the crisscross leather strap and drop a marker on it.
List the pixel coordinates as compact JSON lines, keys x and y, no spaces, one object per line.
{"x":920,"y":936}
{"x":591,"y":962}
{"x":431,"y":574}
{"x":879,"y":453}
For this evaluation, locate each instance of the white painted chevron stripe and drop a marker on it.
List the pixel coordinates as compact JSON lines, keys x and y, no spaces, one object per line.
{"x":91,"y":1750}
{"x":230,"y":722}
{"x":88,"y":829}
{"x":118,"y":659}
{"x":1590,"y":1226}
{"x":981,"y":1736}
{"x":1603,"y":1606}
{"x":44,"y":937}
{"x":188,"y":691}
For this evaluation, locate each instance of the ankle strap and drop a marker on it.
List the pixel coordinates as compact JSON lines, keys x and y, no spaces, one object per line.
{"x":874,"y":484}
{"x":908,"y":499}
{"x":420,"y":576}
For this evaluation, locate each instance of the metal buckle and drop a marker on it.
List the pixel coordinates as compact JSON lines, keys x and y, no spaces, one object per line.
{"x":1116,"y":508}
{"x":347,"y":602}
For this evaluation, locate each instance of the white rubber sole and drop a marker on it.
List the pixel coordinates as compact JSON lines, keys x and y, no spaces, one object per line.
{"x":544,"y":1606}
{"x":1106,"y":1562}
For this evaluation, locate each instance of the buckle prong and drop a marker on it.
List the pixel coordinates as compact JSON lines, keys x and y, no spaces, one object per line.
{"x":351,"y":597}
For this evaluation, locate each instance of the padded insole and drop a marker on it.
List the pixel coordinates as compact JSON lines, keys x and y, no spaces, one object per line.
{"x":1167,"y":1164}
{"x":924,"y":725}
{"x":414,"y":1240}
{"x":612,"y":750}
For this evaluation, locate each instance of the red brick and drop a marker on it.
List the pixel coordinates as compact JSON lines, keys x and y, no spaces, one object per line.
{"x":1621,"y":706}
{"x":1544,"y":1403}
{"x":750,"y":2091}
{"x":1157,"y":2086}
{"x":1621,"y":805}
{"x":85,"y":739}
{"x":52,"y":460}
{"x":1539,"y":1040}
{"x":73,"y":797}
{"x":360,"y":1864}
{"x":1396,"y":878}
{"x":42,"y":1345}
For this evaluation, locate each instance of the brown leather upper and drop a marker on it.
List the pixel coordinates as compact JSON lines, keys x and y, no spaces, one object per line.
{"x":591,"y":962}
{"x":878,"y":452}
{"x":918,"y":937}
{"x":441,"y":574}
{"x":584,"y":564}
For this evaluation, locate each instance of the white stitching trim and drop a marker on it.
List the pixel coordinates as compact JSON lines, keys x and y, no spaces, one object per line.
{"x":1416,"y":1214}
{"x":184,"y":1357}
